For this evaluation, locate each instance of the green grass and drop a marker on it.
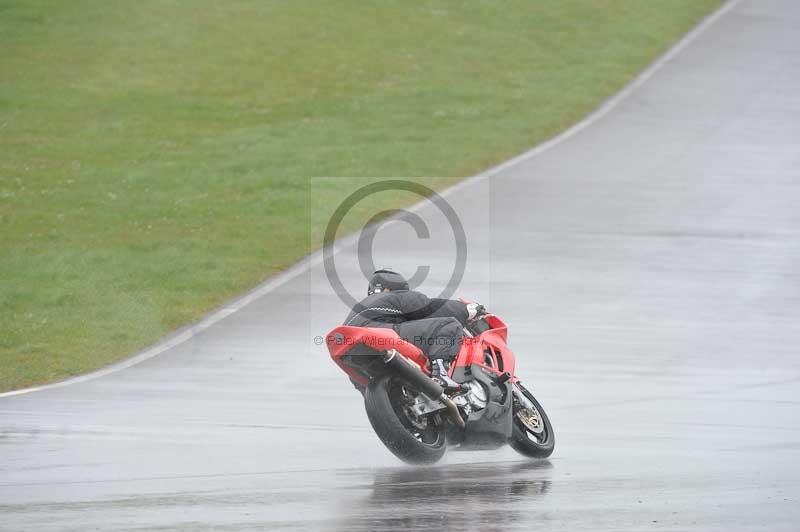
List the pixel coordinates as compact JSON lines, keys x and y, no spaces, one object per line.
{"x":156,"y":156}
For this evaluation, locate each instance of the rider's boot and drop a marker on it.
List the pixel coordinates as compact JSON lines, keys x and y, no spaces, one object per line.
{"x":440,"y":373}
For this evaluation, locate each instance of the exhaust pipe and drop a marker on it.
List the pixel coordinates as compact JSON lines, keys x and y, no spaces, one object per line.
{"x":452,"y":409}
{"x":411,"y":373}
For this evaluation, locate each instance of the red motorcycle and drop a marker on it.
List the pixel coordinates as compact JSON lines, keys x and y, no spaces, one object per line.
{"x":417,"y":419}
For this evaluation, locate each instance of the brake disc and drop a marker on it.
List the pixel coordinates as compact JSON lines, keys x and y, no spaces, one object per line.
{"x":531,"y":419}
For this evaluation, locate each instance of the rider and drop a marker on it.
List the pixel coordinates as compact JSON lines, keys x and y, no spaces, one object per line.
{"x":436,"y":326}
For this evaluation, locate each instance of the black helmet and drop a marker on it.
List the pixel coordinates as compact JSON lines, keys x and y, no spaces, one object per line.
{"x":383,"y":279}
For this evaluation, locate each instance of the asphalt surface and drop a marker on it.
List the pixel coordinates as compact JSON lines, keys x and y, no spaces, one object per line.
{"x":649,"y":269}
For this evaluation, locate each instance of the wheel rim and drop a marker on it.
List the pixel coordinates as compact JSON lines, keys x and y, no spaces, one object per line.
{"x":528,"y":418}
{"x":531,"y":419}
{"x":424,"y":428}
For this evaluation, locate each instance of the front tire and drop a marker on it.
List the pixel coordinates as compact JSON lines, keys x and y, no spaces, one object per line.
{"x":532,"y":434}
{"x":412,"y":439}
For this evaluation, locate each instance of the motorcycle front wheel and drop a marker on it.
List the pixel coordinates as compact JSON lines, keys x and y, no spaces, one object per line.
{"x":413,"y":439}
{"x":532,"y":434}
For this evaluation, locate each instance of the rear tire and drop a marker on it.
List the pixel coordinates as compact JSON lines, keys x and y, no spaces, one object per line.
{"x":386,"y":400}
{"x":524,"y":439}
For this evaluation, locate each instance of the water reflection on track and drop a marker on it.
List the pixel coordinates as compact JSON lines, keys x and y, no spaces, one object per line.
{"x":458,"y":497}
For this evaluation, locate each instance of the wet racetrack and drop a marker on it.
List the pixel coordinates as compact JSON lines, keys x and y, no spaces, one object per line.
{"x":648,"y":267}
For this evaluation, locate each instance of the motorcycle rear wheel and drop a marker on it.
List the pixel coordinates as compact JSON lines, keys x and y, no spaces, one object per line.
{"x":532,"y":434}
{"x":411,"y":439}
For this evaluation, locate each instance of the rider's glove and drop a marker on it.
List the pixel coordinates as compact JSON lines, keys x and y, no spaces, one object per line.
{"x":475,"y":310}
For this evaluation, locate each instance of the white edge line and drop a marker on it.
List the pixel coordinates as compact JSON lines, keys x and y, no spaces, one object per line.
{"x":231,"y":307}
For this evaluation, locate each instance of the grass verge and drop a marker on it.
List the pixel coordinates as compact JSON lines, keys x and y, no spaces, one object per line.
{"x":156,"y":155}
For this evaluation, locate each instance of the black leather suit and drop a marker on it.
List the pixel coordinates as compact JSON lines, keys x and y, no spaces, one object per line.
{"x":436,"y":326}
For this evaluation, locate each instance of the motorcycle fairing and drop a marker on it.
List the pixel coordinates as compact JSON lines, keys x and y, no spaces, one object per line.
{"x":353,"y":350}
{"x":490,"y":427}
